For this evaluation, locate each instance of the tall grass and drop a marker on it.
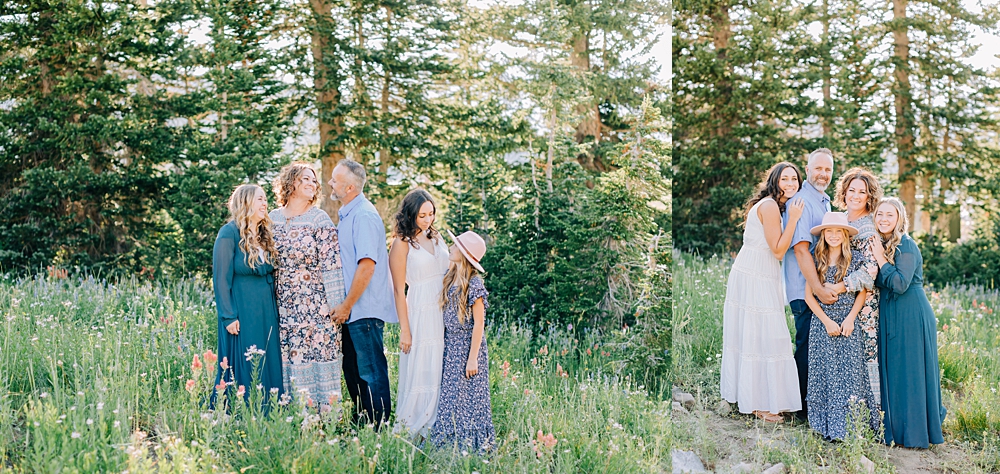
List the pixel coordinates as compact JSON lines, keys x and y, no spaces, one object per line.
{"x":968,"y":342}
{"x":93,"y":375}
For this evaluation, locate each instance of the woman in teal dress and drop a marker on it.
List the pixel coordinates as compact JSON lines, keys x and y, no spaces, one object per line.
{"x":908,"y":359}
{"x":243,"y":279}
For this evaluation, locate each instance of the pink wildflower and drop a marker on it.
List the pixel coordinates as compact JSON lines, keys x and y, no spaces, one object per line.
{"x":189,"y":386}
{"x":225,"y":363}
{"x":196,"y":364}
{"x":210,"y":357}
{"x":241,"y":390}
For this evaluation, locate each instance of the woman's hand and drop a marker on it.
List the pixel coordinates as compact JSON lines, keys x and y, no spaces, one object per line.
{"x":472,"y":367}
{"x":878,"y":250}
{"x":795,"y":208}
{"x":234,"y":327}
{"x":405,"y":340}
{"x":848,"y":327}
{"x":831,"y":328}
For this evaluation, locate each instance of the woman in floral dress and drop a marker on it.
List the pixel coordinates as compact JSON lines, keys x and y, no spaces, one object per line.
{"x":310,"y":284}
{"x":858,"y":191}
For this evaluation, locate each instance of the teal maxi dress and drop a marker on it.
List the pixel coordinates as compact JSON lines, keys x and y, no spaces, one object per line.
{"x":908,"y":359}
{"x":245,"y":294}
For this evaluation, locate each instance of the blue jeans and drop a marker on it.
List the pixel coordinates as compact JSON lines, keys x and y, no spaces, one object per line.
{"x":366,"y":371}
{"x":803,"y":318}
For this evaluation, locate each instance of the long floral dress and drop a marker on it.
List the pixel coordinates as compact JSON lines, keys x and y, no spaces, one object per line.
{"x":465,"y":418}
{"x":838,"y":377}
{"x":868,"y":318}
{"x":310,"y":284}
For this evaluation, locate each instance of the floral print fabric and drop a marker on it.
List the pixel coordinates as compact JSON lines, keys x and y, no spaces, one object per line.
{"x":309,"y":284}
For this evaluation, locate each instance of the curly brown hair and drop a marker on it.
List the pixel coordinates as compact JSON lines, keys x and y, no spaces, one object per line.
{"x":871,"y":181}
{"x":288,"y":178}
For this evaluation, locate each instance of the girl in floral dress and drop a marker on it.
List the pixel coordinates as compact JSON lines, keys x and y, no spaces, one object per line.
{"x":310,"y":284}
{"x":838,"y":377}
{"x":465,"y":418}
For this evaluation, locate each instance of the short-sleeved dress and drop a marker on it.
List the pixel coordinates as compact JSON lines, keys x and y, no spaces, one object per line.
{"x":465,"y":418}
{"x":908,"y":358}
{"x":245,"y":294}
{"x":310,"y":284}
{"x":837,"y":372}
{"x":868,"y":317}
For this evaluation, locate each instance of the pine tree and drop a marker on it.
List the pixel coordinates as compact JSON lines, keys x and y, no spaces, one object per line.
{"x":84,"y":130}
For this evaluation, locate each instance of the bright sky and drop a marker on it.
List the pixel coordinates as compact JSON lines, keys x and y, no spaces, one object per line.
{"x":990,"y":49}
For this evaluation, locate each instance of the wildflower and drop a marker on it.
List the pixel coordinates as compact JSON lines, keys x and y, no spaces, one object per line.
{"x":274,"y":390}
{"x":225,"y":363}
{"x":506,"y":368}
{"x":221,"y":387}
{"x":534,"y":361}
{"x":544,"y":350}
{"x":527,"y":392}
{"x":196,"y":364}
{"x":241,"y":390}
{"x":288,"y":419}
{"x":90,"y":421}
{"x":75,"y":435}
{"x":588,"y":351}
{"x":210,"y":357}
{"x":189,"y":386}
{"x":43,"y":395}
{"x":334,"y":398}
{"x":100,"y":406}
{"x":118,"y":424}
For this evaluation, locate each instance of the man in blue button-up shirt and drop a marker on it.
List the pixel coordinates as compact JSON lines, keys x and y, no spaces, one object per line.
{"x":369,"y":303}
{"x":799,"y":266}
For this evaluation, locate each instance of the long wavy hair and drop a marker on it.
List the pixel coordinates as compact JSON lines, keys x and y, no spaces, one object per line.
{"x":459,"y":274}
{"x":253,"y":239}
{"x":769,"y":187}
{"x":870,"y":180}
{"x":288,"y":179}
{"x":823,"y":256}
{"x":892,"y":242}
{"x":406,"y":218}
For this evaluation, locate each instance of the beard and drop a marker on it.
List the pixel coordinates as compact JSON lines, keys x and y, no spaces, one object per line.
{"x":820,"y":188}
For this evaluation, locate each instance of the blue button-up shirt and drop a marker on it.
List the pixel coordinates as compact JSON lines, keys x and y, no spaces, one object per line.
{"x":817,"y":204}
{"x":362,"y":235}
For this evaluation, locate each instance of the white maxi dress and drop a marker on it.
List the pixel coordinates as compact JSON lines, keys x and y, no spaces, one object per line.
{"x":758,"y":370}
{"x":420,"y":370}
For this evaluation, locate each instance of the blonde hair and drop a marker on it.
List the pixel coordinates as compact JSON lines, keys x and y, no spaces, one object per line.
{"x":823,"y":256}
{"x":892,"y":243}
{"x":288,"y":178}
{"x":252,"y":240}
{"x":459,"y":274}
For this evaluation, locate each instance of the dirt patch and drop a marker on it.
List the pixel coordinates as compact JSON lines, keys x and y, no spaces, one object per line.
{"x":723,"y":442}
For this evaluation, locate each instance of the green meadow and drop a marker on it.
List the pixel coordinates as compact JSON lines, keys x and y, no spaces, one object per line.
{"x":95,"y":378}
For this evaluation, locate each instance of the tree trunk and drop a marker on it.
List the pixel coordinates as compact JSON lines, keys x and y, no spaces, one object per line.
{"x":326,"y":86}
{"x":590,"y":127}
{"x":904,"y":127}
{"x":721,"y":32}
{"x":827,"y":104}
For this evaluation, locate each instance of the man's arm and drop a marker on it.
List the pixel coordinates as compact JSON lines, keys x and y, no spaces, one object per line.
{"x":805,"y":260}
{"x":366,"y":268}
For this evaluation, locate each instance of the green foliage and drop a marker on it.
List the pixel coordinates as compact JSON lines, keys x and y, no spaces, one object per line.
{"x":83,"y":131}
{"x":973,"y":262}
{"x":235,"y":116}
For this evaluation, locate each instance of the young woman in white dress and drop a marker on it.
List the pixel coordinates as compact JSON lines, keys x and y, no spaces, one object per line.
{"x":758,"y":371}
{"x":418,"y":259}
